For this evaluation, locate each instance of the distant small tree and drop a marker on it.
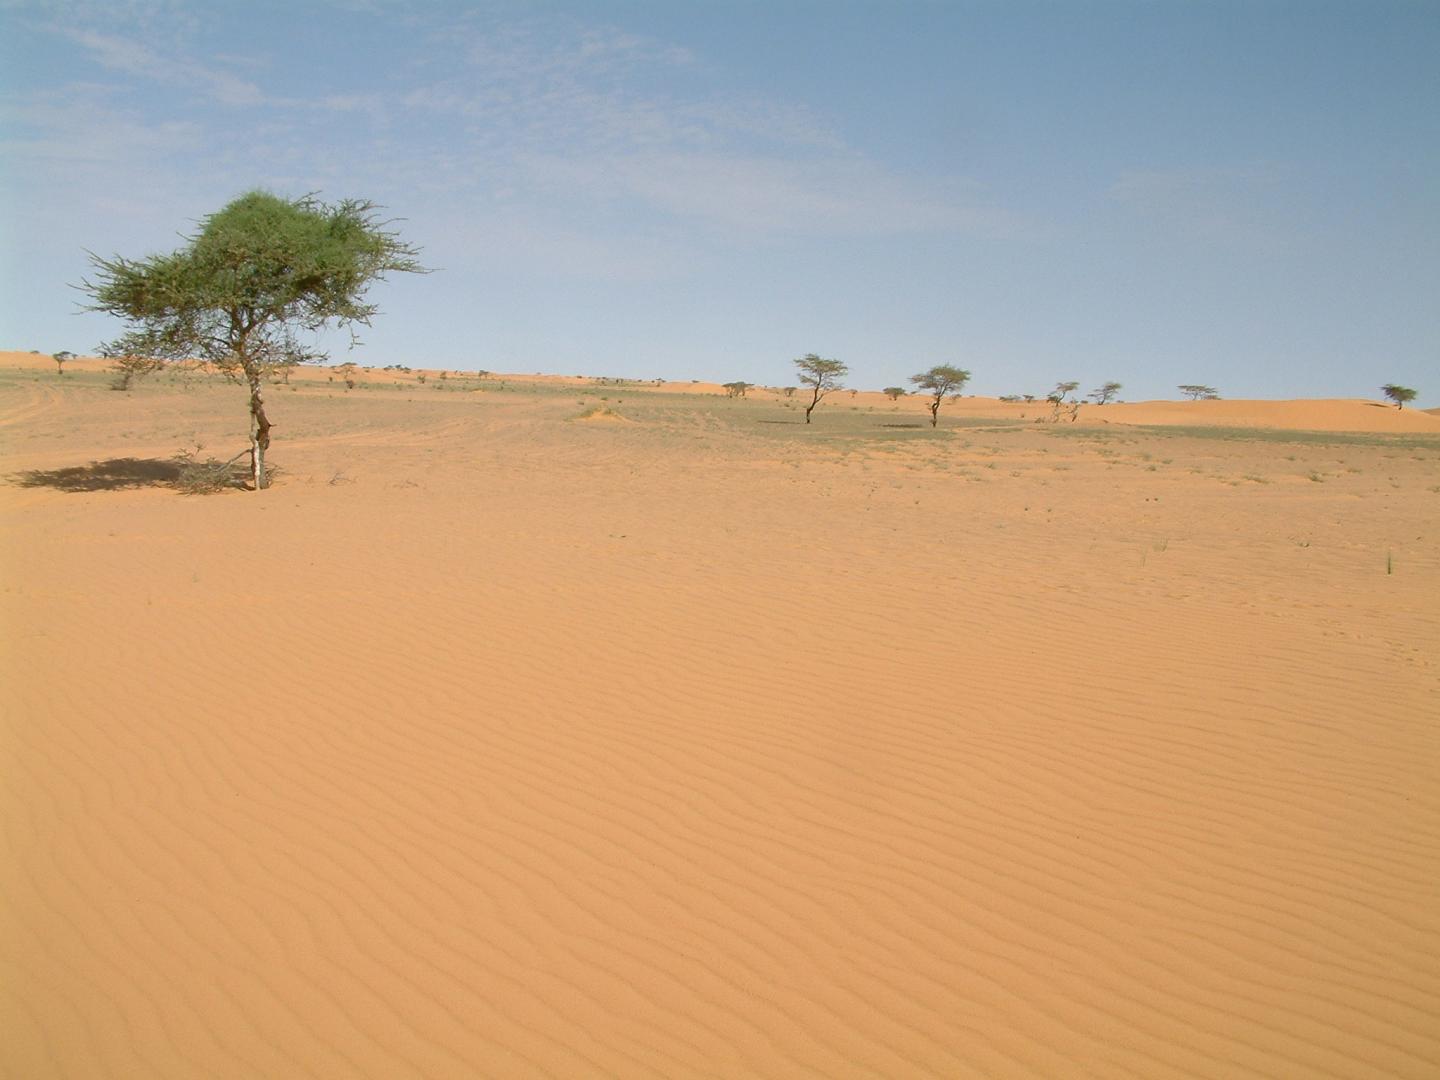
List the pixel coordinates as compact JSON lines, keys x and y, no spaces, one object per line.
{"x":894,"y":393}
{"x":128,"y":367}
{"x":1105,"y":393}
{"x":821,"y":376}
{"x":940,"y":381}
{"x":1398,"y":394}
{"x":60,"y":358}
{"x":1196,"y":392}
{"x":1061,"y":390}
{"x":736,"y":389}
{"x":261,"y":271}
{"x":789,"y":391}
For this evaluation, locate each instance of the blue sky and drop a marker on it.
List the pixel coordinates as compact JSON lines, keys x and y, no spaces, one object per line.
{"x":1240,"y":194}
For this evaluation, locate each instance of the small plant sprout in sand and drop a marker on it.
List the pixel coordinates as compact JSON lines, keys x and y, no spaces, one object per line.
{"x":1105,"y":393}
{"x":62,"y":356}
{"x":1398,"y":394}
{"x":261,"y":273}
{"x":894,"y":393}
{"x":1196,"y":392}
{"x":821,"y":376}
{"x":940,"y":381}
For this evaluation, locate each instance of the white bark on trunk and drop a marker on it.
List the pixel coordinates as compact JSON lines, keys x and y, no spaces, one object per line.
{"x":259,"y":433}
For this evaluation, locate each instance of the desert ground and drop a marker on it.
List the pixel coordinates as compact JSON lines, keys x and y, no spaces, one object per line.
{"x":557,"y":727}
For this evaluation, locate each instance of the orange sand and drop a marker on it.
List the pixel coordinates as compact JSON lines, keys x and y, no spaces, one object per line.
{"x":487,"y":744}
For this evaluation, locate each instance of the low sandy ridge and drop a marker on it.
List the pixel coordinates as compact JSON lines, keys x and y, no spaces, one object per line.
{"x":707,"y":744}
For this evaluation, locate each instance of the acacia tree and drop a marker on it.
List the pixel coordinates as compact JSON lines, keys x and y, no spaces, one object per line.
{"x":1398,"y":394}
{"x":940,"y":380}
{"x":260,"y":274}
{"x":894,"y":393}
{"x":1061,"y":389}
{"x":1104,"y":394}
{"x":1196,"y":392}
{"x":737,"y":389}
{"x":821,"y":376}
{"x":60,"y":358}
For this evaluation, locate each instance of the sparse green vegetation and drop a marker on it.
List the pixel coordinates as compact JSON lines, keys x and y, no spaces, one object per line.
{"x":1061,"y":391}
{"x":821,"y":376}
{"x":1105,"y":393}
{"x":939,"y":381}
{"x":207,"y":476}
{"x":129,"y":367}
{"x":261,"y":271}
{"x":1398,"y":394}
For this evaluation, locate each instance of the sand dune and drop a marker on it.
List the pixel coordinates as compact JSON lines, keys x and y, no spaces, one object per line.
{"x":705,"y":744}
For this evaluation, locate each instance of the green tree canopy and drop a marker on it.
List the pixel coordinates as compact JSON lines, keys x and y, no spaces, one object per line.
{"x":1105,"y":393}
{"x":261,"y":275}
{"x":1197,"y":392}
{"x":821,"y":375}
{"x":940,"y":380}
{"x":1398,"y":394}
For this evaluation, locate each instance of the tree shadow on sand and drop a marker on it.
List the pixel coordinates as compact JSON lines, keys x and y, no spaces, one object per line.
{"x":117,"y":474}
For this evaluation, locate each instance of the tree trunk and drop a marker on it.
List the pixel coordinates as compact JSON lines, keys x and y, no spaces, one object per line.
{"x":934,"y":413}
{"x":259,"y":432}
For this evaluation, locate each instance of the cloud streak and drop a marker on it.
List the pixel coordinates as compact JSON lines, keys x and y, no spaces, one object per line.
{"x":137,"y":58}
{"x":566,"y":140}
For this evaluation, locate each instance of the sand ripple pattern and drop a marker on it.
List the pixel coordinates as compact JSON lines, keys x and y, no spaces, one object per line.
{"x":572,"y":760}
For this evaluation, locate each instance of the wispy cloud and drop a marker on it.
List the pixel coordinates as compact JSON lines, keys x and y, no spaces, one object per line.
{"x":138,"y":58}
{"x":573,"y":114}
{"x":548,"y":129}
{"x":757,"y":195}
{"x":80,"y":125}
